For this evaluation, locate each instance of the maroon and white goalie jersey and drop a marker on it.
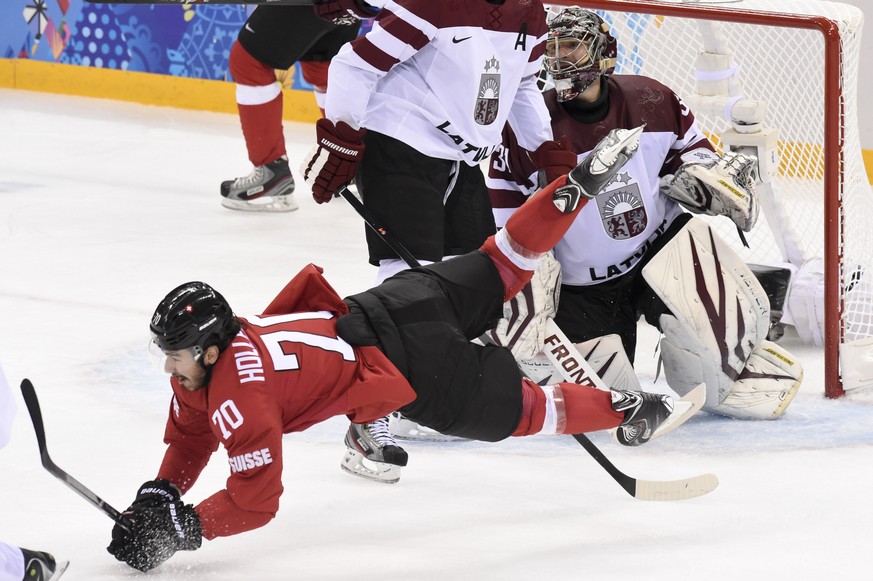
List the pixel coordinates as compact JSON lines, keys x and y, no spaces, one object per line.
{"x":613,"y":231}
{"x":445,"y":76}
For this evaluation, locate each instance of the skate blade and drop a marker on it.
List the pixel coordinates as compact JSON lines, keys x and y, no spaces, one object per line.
{"x":60,"y":567}
{"x":628,"y":143}
{"x":356,"y":464}
{"x":683,"y":409}
{"x":284,"y":203}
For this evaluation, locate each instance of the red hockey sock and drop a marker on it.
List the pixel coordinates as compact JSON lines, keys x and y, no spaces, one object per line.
{"x":588,"y":409}
{"x":533,"y":409}
{"x":530,"y":232}
{"x":565,"y":408}
{"x":261,"y":115}
{"x":538,"y":225}
{"x":513,"y":276}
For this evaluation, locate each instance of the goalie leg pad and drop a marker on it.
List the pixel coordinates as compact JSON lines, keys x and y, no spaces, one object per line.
{"x":688,"y":363}
{"x":719,"y":311}
{"x":761,"y":391}
{"x":605,"y":354}
{"x":765,"y":387}
{"x":523,"y":326}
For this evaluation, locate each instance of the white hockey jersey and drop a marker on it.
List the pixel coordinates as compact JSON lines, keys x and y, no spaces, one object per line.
{"x":7,"y":410}
{"x":613,"y":231}
{"x":445,"y":76}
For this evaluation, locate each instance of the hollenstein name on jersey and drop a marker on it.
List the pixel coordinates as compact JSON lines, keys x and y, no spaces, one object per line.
{"x":248,"y":361}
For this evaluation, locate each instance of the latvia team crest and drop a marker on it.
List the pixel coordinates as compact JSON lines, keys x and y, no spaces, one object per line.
{"x":622,"y":211}
{"x":488,"y":99}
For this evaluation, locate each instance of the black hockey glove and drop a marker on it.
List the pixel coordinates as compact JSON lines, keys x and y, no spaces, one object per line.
{"x":154,"y":493}
{"x":156,"y":534}
{"x":151,"y":494}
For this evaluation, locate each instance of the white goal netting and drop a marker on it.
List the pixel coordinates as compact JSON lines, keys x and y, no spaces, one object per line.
{"x":759,"y":66}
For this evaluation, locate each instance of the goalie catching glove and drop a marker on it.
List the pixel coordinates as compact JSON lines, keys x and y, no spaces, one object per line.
{"x":713,"y":185}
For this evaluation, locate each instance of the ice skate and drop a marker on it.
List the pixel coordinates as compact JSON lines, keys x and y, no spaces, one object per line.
{"x":643,"y":414}
{"x":605,"y":160}
{"x":373,"y":453}
{"x":41,"y":566}
{"x":405,"y":429}
{"x":269,"y":188}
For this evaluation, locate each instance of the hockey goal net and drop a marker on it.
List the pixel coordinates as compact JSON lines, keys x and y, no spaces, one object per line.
{"x":777,"y":78}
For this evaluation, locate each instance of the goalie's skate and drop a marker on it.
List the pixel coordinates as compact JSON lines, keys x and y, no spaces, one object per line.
{"x":372,"y":452}
{"x":605,"y":160}
{"x":405,"y":429}
{"x":269,"y":188}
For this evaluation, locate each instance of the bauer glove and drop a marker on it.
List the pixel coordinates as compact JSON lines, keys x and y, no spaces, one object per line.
{"x":332,"y":163}
{"x":154,"y":493}
{"x":156,"y":534}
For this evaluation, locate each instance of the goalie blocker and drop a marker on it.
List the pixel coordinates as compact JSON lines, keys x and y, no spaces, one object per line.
{"x":715,"y":331}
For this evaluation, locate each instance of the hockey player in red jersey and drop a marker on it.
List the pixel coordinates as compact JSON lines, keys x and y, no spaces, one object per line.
{"x":416,"y":104}
{"x":244,"y":382}
{"x":636,"y":252}
{"x":274,"y":38}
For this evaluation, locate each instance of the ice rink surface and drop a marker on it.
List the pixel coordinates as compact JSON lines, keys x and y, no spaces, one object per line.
{"x":105,"y":207}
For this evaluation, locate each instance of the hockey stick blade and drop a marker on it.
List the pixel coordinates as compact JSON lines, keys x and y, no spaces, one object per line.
{"x":30,"y":399}
{"x":651,"y":489}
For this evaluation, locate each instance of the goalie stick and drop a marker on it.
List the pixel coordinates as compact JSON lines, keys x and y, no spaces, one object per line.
{"x":29,"y":393}
{"x":638,"y":488}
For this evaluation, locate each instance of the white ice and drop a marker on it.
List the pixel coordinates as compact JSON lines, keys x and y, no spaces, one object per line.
{"x":104,"y":207}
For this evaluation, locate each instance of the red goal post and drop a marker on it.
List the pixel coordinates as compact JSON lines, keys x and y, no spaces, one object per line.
{"x":795,"y":64}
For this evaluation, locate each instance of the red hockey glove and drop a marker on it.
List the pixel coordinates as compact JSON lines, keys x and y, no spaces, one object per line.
{"x":333,"y":161}
{"x":344,"y":11}
{"x":554,"y":158}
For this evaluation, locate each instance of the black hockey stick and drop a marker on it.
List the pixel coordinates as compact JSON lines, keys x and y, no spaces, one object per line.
{"x":641,"y":489}
{"x":32,"y":402}
{"x":383,"y":233}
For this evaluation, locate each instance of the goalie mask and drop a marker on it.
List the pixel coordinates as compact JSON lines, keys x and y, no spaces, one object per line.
{"x":579,"y":49}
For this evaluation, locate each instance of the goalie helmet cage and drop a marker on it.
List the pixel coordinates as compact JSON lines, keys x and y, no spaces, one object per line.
{"x":787,"y":71}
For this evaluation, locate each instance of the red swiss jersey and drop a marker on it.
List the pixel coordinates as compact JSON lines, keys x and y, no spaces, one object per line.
{"x":285,"y":371}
